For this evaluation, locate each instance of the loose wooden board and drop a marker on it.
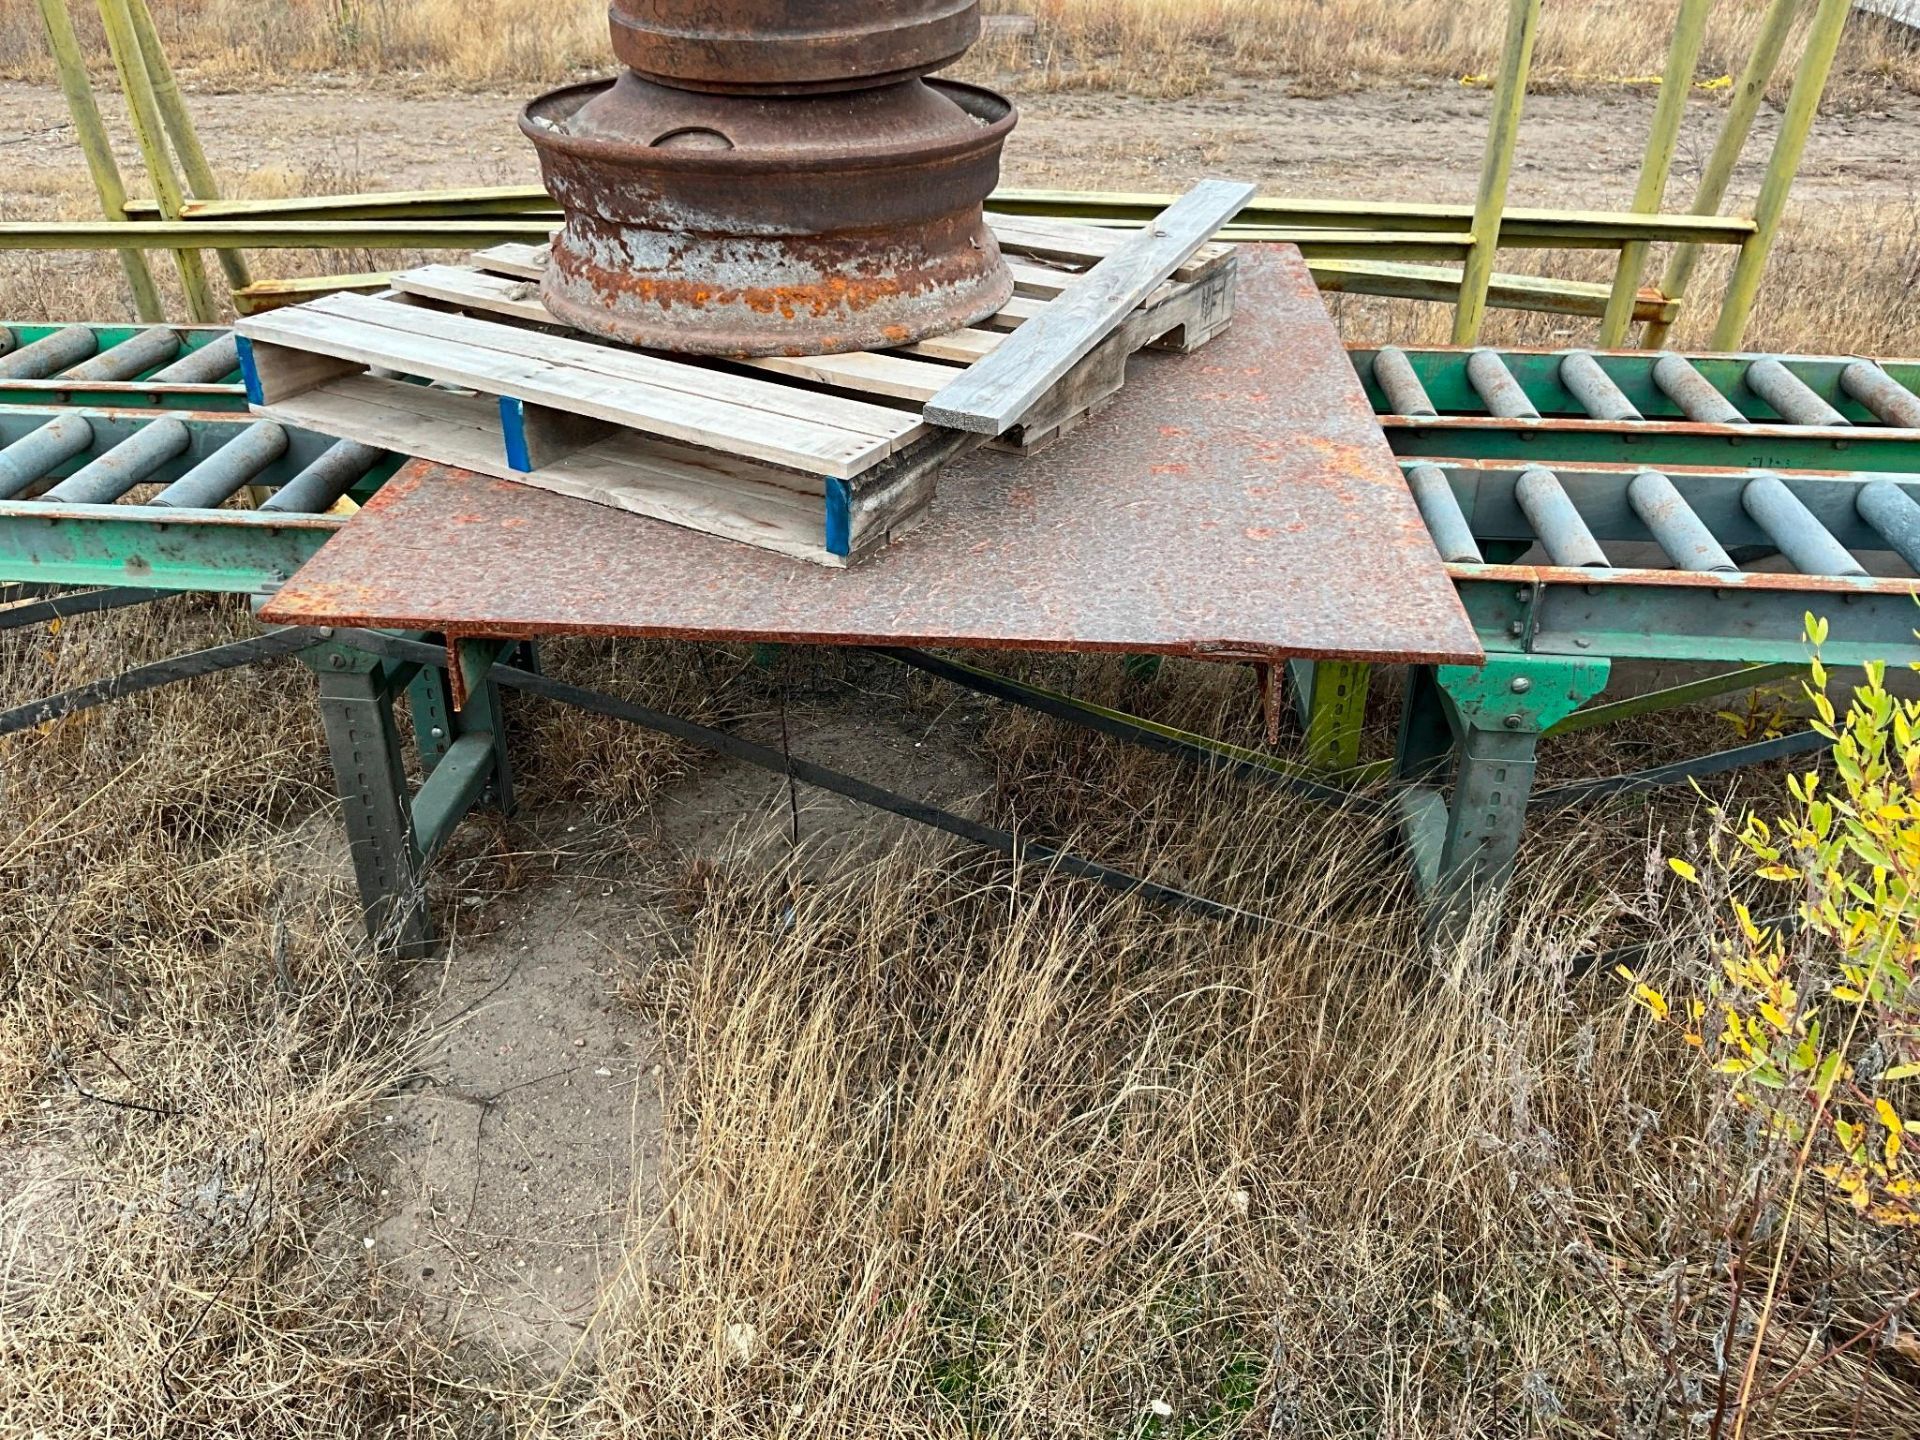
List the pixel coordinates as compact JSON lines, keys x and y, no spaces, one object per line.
{"x":990,"y":397}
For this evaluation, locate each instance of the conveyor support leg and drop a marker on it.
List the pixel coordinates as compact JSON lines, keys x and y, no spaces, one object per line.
{"x":1331,"y":697}
{"x":391,"y":832}
{"x":1464,"y":850}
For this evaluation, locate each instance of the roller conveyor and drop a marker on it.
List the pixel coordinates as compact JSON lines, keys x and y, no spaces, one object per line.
{"x":1762,"y":412}
{"x":145,"y":497}
{"x":168,"y":366}
{"x":1690,"y":509}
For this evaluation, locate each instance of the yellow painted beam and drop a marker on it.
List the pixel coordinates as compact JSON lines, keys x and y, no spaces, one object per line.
{"x":1689,"y":30}
{"x":148,"y":130}
{"x":1441,"y":284}
{"x":91,"y":133}
{"x":179,"y":124}
{"x":1751,"y":89}
{"x":1509,"y":98}
{"x":1522,"y":227}
{"x":1803,"y":106}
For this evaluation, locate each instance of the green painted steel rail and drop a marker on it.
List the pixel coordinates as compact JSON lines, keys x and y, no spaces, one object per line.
{"x":242,"y":552}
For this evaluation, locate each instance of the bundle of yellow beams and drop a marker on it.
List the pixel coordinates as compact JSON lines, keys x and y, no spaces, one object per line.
{"x":1443,"y":253}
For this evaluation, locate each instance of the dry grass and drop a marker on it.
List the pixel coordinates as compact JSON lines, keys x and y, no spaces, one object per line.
{"x":165,"y":948}
{"x":1154,"y":46}
{"x":955,"y":1152}
{"x":964,"y":1161}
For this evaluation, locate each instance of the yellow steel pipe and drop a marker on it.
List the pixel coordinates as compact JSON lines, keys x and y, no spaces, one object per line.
{"x":1689,"y":31}
{"x":1509,"y":97}
{"x":91,"y":133}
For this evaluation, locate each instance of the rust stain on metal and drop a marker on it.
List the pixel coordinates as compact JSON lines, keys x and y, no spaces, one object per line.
{"x":1288,"y":531}
{"x":747,"y":46}
{"x":1729,"y":580}
{"x":772,"y":218}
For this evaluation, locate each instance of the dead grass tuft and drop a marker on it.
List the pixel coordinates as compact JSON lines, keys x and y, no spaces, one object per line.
{"x":958,"y":1156}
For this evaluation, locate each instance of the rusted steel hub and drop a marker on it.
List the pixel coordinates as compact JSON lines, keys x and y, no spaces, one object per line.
{"x":780,"y":218}
{"x":768,"y":227}
{"x":791,"y":47}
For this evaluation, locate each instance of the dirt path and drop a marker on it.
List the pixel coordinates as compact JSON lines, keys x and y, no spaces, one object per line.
{"x":1419,"y":143}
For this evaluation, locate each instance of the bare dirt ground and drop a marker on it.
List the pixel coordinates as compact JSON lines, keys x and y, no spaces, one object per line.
{"x":1420,"y":142}
{"x":499,"y":1190}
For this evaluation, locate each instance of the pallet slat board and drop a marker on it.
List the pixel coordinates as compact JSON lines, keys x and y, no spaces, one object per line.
{"x":820,"y":457}
{"x":992,"y":396}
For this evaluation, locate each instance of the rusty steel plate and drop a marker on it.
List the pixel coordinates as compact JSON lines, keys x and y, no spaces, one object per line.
{"x":1239,"y":502}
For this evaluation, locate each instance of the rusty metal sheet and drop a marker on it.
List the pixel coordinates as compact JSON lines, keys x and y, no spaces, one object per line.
{"x":739,"y":225}
{"x":1237,"y":502}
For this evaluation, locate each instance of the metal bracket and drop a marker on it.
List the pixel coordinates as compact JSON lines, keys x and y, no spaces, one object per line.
{"x":1523,"y":694}
{"x":470,"y":659}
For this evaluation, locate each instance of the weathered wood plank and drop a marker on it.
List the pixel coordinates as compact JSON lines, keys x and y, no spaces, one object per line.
{"x":523,"y":262}
{"x":861,"y":372}
{"x":1074,"y":243}
{"x":700,"y":491}
{"x":827,"y":412}
{"x":672,"y":414}
{"x":962,"y":346}
{"x":274,"y":372}
{"x":990,"y":397}
{"x":537,"y":437}
{"x":870,"y":374}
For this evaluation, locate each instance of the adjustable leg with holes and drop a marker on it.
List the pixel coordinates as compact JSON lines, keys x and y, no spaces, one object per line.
{"x":1331,"y":698}
{"x":393,"y":836}
{"x":356,"y":710}
{"x":1463,"y":849}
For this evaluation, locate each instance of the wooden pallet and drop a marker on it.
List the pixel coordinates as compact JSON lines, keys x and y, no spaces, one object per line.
{"x":823,"y":458}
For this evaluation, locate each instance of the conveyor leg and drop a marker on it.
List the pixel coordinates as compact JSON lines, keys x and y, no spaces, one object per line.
{"x":436,"y":725}
{"x":391,"y":832}
{"x":1497,"y":714}
{"x":356,"y":710}
{"x":483,"y":713}
{"x":1425,"y":749}
{"x":1485,"y":819}
{"x":1331,"y":696}
{"x":430,"y":702}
